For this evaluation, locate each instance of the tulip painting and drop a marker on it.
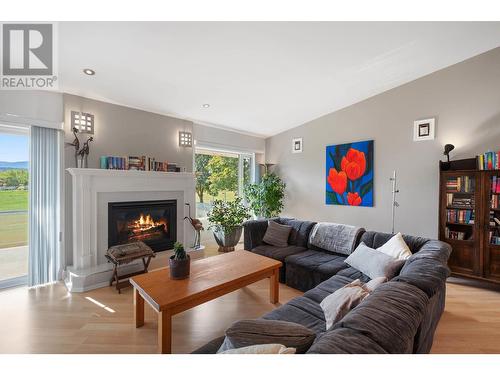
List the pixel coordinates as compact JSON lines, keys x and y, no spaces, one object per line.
{"x":349,"y":174}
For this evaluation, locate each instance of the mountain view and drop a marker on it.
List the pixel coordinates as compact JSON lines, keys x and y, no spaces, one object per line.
{"x":4,"y":165}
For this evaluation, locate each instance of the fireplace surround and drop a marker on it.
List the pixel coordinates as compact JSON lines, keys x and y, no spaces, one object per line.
{"x":152,"y":222}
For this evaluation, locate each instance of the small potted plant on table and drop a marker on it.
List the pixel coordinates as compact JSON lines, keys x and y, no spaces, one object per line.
{"x":179,"y":263}
{"x":226,"y":219}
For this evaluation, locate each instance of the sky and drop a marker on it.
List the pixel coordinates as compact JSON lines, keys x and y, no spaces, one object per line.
{"x":13,"y":147}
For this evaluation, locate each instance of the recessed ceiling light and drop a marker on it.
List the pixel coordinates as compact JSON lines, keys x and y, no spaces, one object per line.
{"x":206,"y":105}
{"x":89,"y":72}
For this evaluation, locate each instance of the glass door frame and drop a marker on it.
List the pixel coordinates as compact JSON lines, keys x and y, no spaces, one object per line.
{"x":242,"y":154}
{"x":16,"y":129}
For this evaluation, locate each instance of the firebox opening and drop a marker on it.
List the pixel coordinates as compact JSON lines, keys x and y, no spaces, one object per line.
{"x":152,"y":222}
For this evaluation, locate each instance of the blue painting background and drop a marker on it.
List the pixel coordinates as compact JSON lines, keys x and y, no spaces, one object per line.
{"x":363,"y":185}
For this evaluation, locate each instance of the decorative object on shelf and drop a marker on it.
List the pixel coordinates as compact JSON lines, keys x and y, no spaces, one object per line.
{"x":179,"y":263}
{"x":296,"y":145}
{"x":266,"y":197}
{"x":84,"y":153}
{"x":423,"y":130}
{"x":185,"y":139}
{"x":75,"y":144}
{"x":395,"y":204}
{"x":226,"y":219}
{"x":197,"y":227}
{"x":83,"y":122}
{"x":447,"y":149}
{"x":349,"y":174}
{"x":488,"y":161}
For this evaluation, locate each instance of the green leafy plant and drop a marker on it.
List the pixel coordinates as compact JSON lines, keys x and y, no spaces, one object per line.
{"x":179,"y":252}
{"x":266,"y":197}
{"x":226,"y":216}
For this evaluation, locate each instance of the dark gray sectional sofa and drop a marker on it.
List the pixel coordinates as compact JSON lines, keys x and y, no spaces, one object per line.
{"x":400,"y":316}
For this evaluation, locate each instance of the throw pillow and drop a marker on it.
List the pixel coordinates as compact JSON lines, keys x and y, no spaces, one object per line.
{"x":277,"y":234}
{"x":374,"y":263}
{"x":396,"y":247}
{"x":339,"y":303}
{"x":261,"y":349}
{"x":263,"y":331}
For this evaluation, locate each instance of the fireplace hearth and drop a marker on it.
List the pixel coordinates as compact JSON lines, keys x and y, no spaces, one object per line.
{"x":152,"y":222}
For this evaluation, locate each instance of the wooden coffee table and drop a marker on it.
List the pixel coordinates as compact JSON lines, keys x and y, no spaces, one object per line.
{"x":210,"y":278}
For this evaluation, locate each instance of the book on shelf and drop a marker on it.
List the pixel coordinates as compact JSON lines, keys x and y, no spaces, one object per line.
{"x":459,"y":216}
{"x":454,"y":234}
{"x":488,"y":161}
{"x":495,"y":184}
{"x":462,"y":184}
{"x":137,"y":163}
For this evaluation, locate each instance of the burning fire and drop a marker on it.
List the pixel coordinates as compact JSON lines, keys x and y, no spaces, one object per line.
{"x":145,"y":223}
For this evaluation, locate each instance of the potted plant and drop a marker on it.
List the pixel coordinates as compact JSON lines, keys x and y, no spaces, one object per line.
{"x":179,"y":263}
{"x":226,"y":219}
{"x":266,"y":197}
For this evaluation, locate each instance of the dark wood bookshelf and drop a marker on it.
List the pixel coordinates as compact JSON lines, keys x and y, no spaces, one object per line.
{"x":475,"y":256}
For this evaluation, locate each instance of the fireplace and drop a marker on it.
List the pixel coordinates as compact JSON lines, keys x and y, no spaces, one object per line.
{"x":152,"y":222}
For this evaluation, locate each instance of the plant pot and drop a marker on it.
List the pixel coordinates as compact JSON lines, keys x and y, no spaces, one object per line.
{"x":179,"y":268}
{"x":227,"y":241}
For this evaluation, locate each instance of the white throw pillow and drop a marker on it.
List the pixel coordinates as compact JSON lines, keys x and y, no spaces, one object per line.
{"x":261,"y":349}
{"x":339,"y":303}
{"x":396,"y":247}
{"x":375,"y":283}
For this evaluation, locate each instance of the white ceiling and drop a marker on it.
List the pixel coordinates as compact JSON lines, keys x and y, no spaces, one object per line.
{"x":260,"y":78}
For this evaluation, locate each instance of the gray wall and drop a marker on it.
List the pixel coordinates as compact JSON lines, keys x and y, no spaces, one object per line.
{"x":464,"y":99}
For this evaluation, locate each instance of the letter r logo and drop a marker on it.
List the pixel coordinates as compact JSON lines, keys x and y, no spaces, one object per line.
{"x":27,"y":49}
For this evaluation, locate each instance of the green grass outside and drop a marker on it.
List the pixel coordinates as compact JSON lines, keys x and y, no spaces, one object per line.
{"x":13,"y":230}
{"x":13,"y":200}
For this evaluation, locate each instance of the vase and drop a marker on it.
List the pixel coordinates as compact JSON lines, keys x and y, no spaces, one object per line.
{"x":179,"y":268}
{"x":227,"y":241}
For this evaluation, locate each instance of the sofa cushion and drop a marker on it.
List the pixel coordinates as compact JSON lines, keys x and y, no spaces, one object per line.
{"x":261,"y":349}
{"x":377,"y":239}
{"x":353,"y":274}
{"x":345,"y":341}
{"x":425,"y":274}
{"x":277,"y":234}
{"x":299,"y":235}
{"x":374,"y":263}
{"x":278,"y":253}
{"x":307,"y":269}
{"x":327,"y":287}
{"x":300,"y":310}
{"x":390,"y":316}
{"x":266,"y":331}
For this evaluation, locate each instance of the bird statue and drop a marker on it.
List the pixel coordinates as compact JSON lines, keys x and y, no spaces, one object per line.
{"x":197,"y":226}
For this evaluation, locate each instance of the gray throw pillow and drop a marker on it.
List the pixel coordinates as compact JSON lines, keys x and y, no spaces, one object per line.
{"x":277,"y":234}
{"x":263,"y":331}
{"x":374,"y":263}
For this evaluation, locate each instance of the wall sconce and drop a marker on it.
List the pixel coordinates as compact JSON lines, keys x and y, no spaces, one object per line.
{"x":83,"y":122}
{"x":185,"y":139}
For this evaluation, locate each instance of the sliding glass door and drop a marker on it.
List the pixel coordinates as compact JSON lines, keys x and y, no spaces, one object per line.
{"x":220,"y":175}
{"x":14,"y":159}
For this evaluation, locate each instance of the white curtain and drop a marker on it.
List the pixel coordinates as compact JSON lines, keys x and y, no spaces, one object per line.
{"x":44,"y":206}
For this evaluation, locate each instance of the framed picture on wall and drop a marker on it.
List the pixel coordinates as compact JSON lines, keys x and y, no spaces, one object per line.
{"x":349,"y":174}
{"x":423,"y":130}
{"x":296,"y":145}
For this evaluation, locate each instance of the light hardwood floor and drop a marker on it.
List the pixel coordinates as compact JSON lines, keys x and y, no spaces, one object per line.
{"x":51,"y":320}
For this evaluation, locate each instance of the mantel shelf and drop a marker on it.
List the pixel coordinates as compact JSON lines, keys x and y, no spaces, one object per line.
{"x":124,"y":173}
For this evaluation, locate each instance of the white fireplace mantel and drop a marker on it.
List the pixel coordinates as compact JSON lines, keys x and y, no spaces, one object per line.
{"x":92,"y":189}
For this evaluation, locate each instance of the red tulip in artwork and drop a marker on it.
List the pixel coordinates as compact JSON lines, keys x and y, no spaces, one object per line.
{"x":353,"y":199}
{"x":354,"y":164}
{"x":337,"y":181}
